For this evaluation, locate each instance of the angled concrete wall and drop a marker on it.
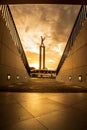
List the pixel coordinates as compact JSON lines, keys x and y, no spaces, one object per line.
{"x":12,"y":69}
{"x":74,"y":68}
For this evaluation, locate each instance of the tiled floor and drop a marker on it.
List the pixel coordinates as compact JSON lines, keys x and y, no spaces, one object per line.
{"x":43,"y":111}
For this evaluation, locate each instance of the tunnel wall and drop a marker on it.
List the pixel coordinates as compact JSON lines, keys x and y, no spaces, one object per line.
{"x":74,"y":68}
{"x":12,"y":69}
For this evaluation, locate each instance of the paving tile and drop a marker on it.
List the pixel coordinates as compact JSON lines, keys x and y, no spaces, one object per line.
{"x":31,"y":124}
{"x":81,"y":106}
{"x":65,"y":120}
{"x":12,"y":113}
{"x":7,"y":98}
{"x":43,"y":106}
{"x":42,"y":111}
{"x":68,"y":98}
{"x":29,"y":97}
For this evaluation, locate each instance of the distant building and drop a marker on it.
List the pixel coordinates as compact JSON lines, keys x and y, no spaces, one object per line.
{"x":38,"y":73}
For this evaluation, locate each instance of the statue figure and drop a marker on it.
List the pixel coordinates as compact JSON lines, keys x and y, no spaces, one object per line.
{"x":42,"y":39}
{"x":42,"y":54}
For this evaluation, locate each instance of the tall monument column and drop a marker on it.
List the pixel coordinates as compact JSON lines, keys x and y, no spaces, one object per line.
{"x":42,"y":54}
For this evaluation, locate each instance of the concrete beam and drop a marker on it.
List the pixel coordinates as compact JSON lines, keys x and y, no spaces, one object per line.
{"x":80,"y":2}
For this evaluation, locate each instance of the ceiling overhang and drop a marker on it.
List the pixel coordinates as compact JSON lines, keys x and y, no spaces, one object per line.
{"x":75,"y":2}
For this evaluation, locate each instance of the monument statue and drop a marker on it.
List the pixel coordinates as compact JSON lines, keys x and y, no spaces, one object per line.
{"x":42,"y":39}
{"x":42,"y":54}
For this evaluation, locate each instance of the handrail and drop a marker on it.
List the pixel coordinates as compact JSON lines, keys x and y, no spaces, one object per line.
{"x":7,"y":15}
{"x":82,"y":15}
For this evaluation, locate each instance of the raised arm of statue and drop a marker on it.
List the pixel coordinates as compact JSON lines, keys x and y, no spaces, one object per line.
{"x":42,"y":39}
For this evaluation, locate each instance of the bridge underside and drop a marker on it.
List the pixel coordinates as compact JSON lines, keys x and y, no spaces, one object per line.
{"x":80,"y":2}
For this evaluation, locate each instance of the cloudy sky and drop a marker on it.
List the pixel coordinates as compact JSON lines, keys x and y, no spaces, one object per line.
{"x":52,"y":21}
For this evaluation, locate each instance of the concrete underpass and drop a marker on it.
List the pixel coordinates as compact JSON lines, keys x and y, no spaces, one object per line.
{"x":42,"y":103}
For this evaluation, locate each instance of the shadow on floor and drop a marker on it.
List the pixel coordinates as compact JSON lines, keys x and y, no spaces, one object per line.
{"x":43,"y":86}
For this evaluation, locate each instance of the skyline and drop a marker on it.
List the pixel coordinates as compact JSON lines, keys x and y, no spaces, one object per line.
{"x":54,"y":22}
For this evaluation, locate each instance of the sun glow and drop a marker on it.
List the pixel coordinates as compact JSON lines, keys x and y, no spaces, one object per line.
{"x":59,"y":48}
{"x":34,"y":65}
{"x":50,"y":20}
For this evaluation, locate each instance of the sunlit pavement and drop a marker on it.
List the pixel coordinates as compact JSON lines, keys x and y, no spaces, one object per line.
{"x":43,"y":111}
